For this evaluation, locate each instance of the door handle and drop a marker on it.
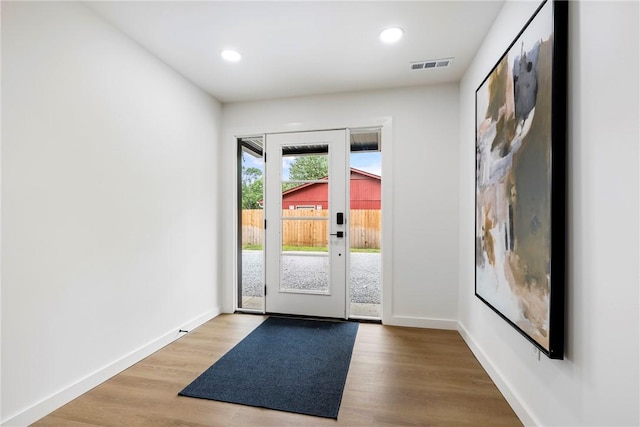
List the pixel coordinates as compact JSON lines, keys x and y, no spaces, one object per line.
{"x":339,"y":234}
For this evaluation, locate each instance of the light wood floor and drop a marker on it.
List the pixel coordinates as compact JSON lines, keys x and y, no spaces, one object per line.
{"x":398,"y":377}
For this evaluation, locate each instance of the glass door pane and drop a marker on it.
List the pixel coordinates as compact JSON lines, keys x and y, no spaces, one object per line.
{"x":365,"y":266}
{"x":304,"y":257}
{"x":251,"y":227}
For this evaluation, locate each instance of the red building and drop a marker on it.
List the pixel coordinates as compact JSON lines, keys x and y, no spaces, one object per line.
{"x":364,"y":187}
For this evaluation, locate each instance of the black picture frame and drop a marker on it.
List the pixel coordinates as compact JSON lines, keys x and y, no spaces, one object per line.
{"x":521,"y":159}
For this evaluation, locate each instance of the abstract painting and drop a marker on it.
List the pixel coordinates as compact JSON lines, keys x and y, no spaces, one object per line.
{"x":521,"y":180}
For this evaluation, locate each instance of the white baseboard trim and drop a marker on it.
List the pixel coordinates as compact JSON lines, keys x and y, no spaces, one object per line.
{"x":421,"y":322}
{"x":503,"y":385}
{"x":55,"y":401}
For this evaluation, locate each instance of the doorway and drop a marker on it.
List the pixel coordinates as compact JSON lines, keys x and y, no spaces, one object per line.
{"x":295,"y":185}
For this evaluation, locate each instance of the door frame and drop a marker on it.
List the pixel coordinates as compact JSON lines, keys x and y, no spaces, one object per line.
{"x":229,"y":248}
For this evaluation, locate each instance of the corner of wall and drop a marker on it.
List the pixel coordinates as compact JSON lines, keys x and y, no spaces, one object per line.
{"x":421,"y":322}
{"x":516,"y":403}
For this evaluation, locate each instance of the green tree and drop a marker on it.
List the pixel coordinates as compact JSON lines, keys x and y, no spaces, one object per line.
{"x":309,"y":167}
{"x":252,"y":183}
{"x":306,"y":168}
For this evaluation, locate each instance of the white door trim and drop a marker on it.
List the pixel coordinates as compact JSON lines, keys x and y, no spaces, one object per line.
{"x":228,"y":201}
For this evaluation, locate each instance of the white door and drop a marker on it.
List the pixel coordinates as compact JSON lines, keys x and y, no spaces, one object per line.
{"x":306,"y":223}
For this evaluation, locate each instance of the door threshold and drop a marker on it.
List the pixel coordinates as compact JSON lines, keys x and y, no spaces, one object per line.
{"x":327,"y":319}
{"x":366,"y":319}
{"x":307,"y":317}
{"x":249,"y":311}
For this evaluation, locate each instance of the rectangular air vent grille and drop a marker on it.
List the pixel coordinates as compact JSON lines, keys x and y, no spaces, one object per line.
{"x":431,"y":63}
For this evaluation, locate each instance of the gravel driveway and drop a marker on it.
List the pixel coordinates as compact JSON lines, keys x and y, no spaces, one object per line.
{"x":366,"y":275}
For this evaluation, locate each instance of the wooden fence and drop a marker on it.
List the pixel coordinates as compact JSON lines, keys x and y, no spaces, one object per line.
{"x":364,"y":228}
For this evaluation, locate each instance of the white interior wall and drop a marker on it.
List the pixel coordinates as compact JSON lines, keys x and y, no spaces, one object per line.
{"x":422,"y":179}
{"x":109,"y":205}
{"x":597,"y":383}
{"x":109,"y":193}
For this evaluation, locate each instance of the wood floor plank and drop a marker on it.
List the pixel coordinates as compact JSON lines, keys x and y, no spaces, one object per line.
{"x":398,"y":377}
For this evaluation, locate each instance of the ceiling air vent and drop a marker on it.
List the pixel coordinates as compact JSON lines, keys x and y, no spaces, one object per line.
{"x":431,"y":63}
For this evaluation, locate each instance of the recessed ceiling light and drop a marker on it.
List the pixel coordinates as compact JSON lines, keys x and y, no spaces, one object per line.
{"x":231,"y":55}
{"x":391,"y":35}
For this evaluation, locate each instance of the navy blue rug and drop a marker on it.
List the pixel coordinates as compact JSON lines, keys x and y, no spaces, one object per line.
{"x":293,"y":365}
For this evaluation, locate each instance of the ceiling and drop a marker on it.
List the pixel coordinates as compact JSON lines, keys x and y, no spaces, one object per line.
{"x":297,"y":48}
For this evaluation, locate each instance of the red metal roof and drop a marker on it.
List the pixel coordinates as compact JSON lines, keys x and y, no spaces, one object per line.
{"x":364,"y":188}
